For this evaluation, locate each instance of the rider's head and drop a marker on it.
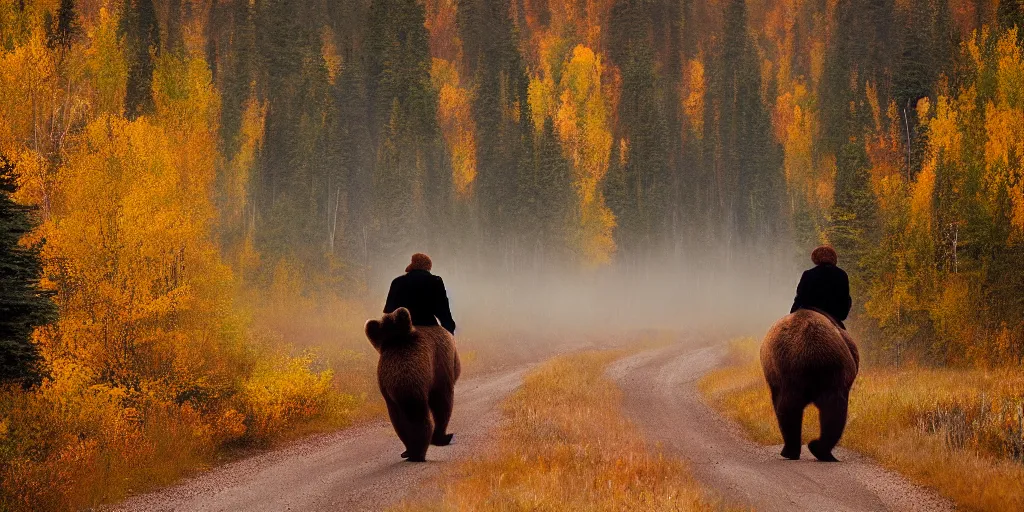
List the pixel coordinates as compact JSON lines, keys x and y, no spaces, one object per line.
{"x":419,"y":261}
{"x":824,"y":255}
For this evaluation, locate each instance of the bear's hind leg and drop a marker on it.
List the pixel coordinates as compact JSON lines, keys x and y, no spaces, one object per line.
{"x":832,"y":410}
{"x":790,"y":412}
{"x":441,"y":403}
{"x":411,"y":420}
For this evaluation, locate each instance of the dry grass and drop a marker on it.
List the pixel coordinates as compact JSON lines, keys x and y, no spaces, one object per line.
{"x":564,"y":445}
{"x":957,"y":431}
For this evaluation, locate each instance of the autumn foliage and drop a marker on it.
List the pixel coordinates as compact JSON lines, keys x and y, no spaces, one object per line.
{"x":153,"y":366}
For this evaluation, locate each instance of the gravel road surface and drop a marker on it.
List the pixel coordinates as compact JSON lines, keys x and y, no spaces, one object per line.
{"x":661,"y":396}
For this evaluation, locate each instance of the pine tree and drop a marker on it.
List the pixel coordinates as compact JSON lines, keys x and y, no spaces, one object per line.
{"x":142,"y":40}
{"x":61,"y":34}
{"x":1009,"y":14}
{"x":23,"y":306}
{"x":752,"y":158}
{"x":642,"y":124}
{"x":492,"y":59}
{"x":551,"y":195}
{"x":403,"y":124}
{"x":853,"y":230}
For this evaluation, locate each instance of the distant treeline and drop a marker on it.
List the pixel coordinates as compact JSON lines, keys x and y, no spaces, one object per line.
{"x":335,"y":137}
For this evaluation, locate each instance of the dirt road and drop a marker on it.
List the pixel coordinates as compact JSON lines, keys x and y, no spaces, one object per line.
{"x":661,"y":396}
{"x":352,"y":470}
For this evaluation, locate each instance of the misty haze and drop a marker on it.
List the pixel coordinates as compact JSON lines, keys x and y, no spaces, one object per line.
{"x":471,"y":255}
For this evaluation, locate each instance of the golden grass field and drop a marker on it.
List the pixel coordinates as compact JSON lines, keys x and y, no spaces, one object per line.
{"x":957,"y":431}
{"x":564,"y":444}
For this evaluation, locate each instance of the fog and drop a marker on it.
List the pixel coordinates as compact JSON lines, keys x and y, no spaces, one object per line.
{"x":727,"y":296}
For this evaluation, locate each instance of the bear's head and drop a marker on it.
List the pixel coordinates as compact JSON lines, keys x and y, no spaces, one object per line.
{"x":392,"y":329}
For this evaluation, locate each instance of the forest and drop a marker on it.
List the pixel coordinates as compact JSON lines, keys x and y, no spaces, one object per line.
{"x":196,"y":193}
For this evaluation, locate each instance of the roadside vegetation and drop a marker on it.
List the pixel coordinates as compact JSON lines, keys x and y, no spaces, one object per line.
{"x":960,"y":432}
{"x":563,"y":444}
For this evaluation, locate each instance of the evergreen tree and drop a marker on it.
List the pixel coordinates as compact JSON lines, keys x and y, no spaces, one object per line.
{"x":357,"y":157}
{"x":1009,"y":14}
{"x":645,"y":180}
{"x":142,"y":40}
{"x":853,"y":230}
{"x":492,"y":58}
{"x":410,"y":164}
{"x":23,"y":306}
{"x":550,"y":196}
{"x":63,"y":32}
{"x":175,"y":39}
{"x":231,"y":54}
{"x":752,"y":158}
{"x":859,"y":53}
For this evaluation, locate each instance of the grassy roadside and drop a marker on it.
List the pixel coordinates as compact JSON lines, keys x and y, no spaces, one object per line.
{"x":564,"y":444}
{"x":957,"y":431}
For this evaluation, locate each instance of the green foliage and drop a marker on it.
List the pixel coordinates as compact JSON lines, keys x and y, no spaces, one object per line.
{"x":751,"y":157}
{"x":142,"y":40}
{"x":24,"y":306}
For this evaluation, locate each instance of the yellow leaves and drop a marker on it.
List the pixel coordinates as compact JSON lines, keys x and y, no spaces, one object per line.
{"x":106,"y":65}
{"x":27,"y":75}
{"x":188,"y":108}
{"x":1010,"y":70}
{"x":922,"y":198}
{"x":540,"y":94}
{"x":329,"y":51}
{"x":284,"y":391}
{"x":1004,"y":126}
{"x":454,"y":114}
{"x":693,"y":102}
{"x":582,"y":125}
{"x":944,"y":131}
{"x":236,"y":183}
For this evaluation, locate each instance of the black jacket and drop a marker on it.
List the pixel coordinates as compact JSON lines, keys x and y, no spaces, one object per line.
{"x":824,"y":287}
{"x":423,"y":294}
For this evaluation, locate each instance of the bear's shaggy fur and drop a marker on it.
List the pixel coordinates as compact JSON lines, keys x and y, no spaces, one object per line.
{"x":808,"y":359}
{"x":416,"y":373}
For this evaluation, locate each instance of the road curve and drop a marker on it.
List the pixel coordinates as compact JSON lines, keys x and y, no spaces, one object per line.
{"x":661,"y":396}
{"x":352,"y":470}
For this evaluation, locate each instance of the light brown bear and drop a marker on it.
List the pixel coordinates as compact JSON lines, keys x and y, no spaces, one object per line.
{"x":416,"y":373}
{"x":808,"y":359}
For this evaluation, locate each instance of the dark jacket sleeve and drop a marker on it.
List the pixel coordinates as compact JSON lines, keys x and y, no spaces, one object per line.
{"x":392,"y":303}
{"x":800,"y":292}
{"x":847,"y":300}
{"x":441,"y":308}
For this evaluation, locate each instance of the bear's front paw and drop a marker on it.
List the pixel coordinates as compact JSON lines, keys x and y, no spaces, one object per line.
{"x":417,"y":458}
{"x":815,"y":448}
{"x":405,"y":454}
{"x":791,"y":453}
{"x":443,"y":440}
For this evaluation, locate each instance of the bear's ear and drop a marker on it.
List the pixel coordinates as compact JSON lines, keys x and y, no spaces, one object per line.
{"x":374,"y":331}
{"x":403,"y":320}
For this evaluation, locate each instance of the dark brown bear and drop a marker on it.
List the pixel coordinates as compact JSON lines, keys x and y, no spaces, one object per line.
{"x":808,"y":359}
{"x":416,"y":373}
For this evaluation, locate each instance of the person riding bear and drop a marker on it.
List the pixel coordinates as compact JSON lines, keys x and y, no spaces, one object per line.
{"x":422,"y":293}
{"x":825,"y":288}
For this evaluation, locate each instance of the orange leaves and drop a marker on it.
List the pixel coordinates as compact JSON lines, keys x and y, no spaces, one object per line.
{"x":582,"y":124}
{"x":1010,"y":70}
{"x":329,"y":51}
{"x":1004,"y":125}
{"x":130,"y":244}
{"x":107,"y":67}
{"x":944,"y":134}
{"x":455,"y":116}
{"x":442,"y":24}
{"x":693,"y":97}
{"x":454,"y":108}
